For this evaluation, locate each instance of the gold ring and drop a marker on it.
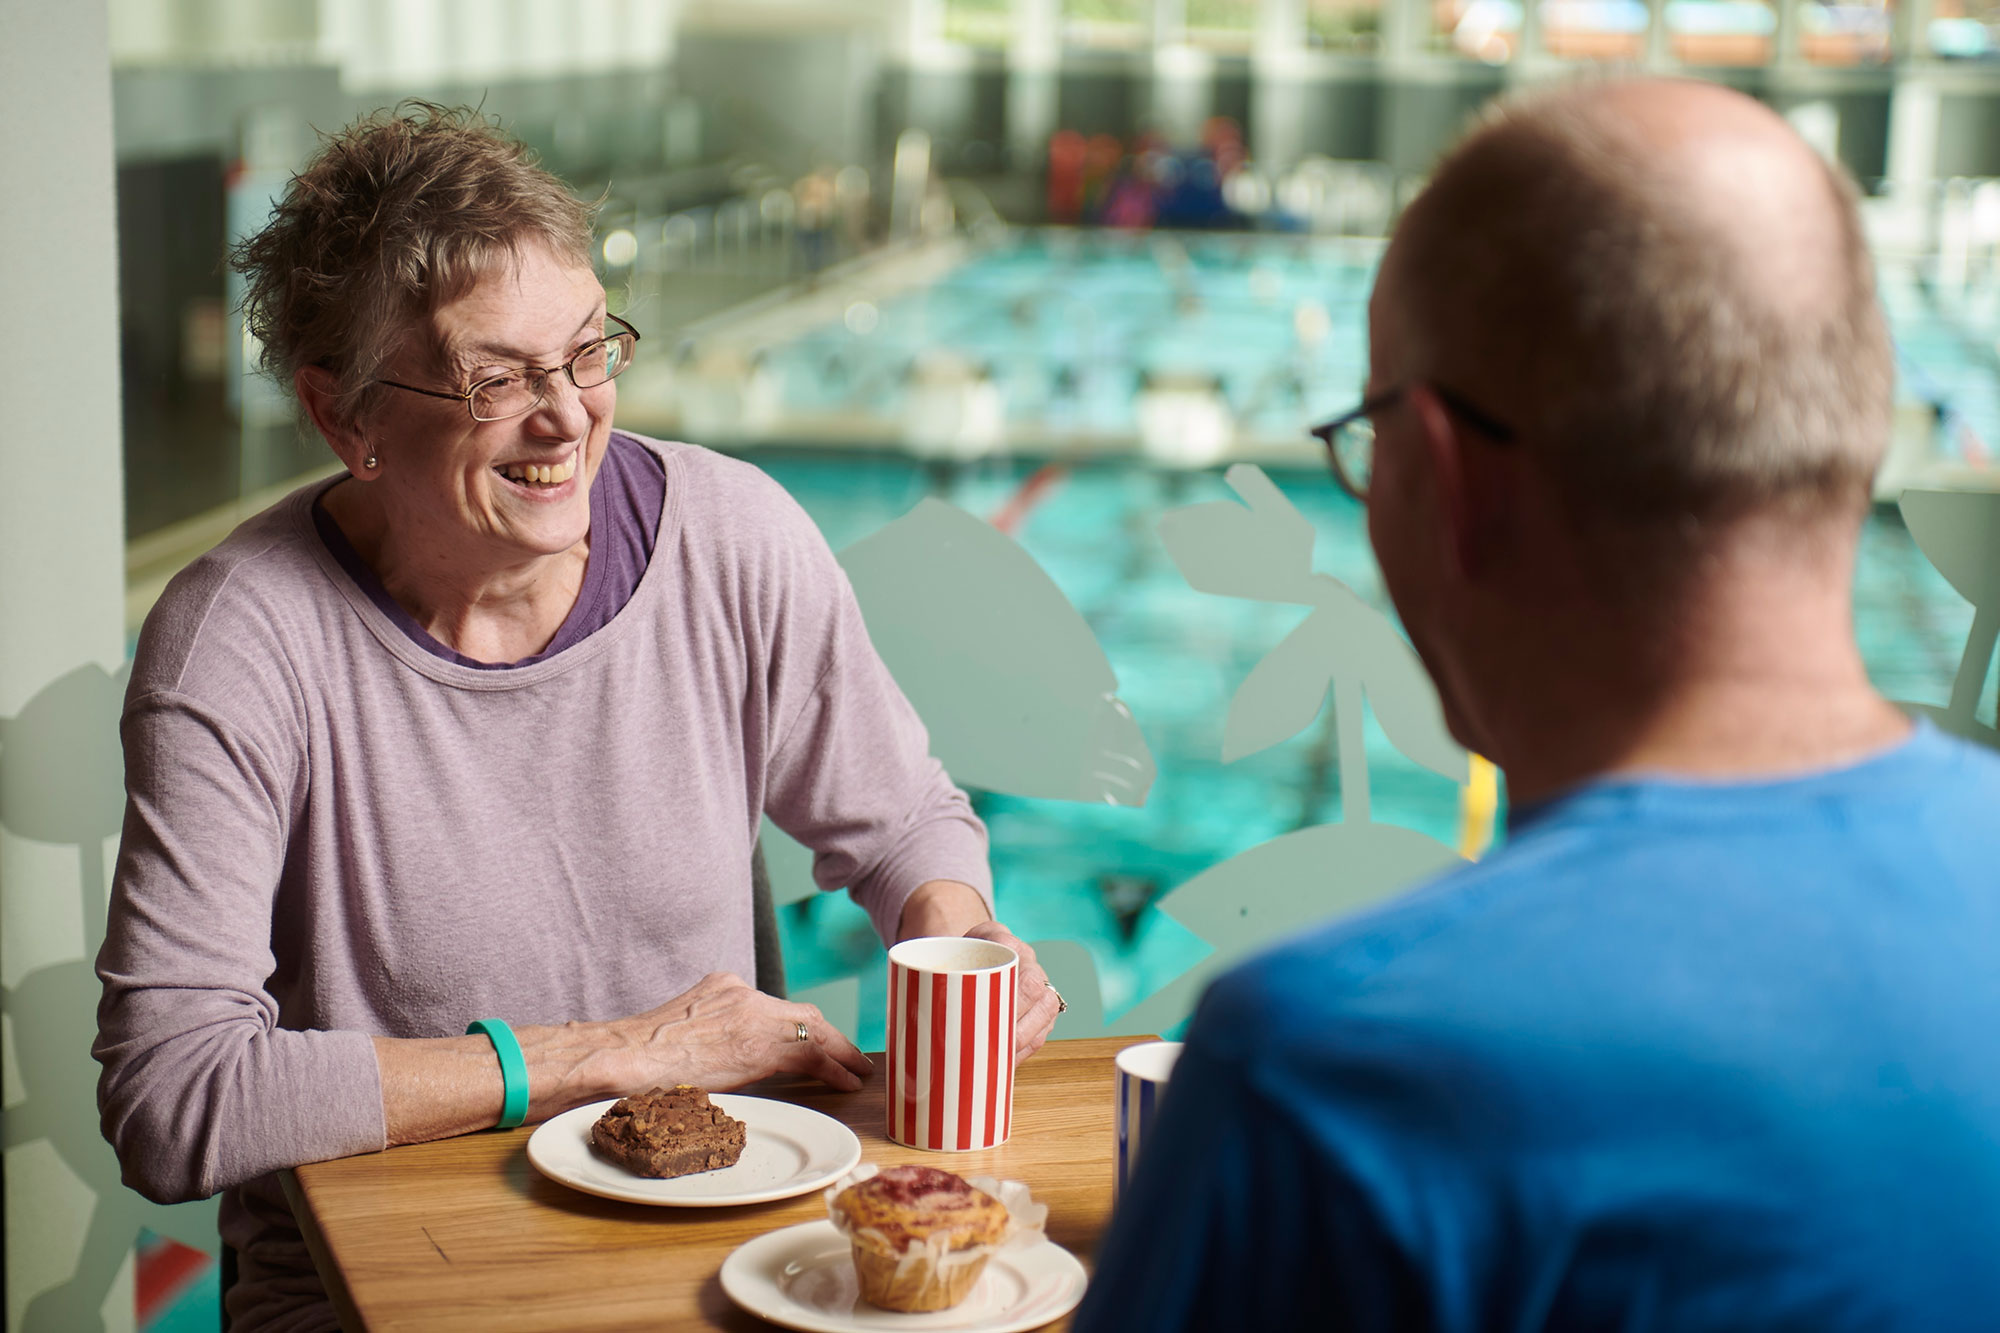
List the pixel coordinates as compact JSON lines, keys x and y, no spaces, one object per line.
{"x":805,"y":1033}
{"x":1062,"y":1005}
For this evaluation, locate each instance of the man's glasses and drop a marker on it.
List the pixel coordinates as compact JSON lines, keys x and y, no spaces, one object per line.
{"x":1350,"y":439}
{"x":522,"y":390}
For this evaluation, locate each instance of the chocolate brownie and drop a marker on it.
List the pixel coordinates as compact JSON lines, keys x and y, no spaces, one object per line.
{"x":668,"y":1132}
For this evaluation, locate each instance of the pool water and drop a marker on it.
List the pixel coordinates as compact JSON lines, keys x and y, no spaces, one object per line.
{"x":1068,"y":324}
{"x":1090,"y":873}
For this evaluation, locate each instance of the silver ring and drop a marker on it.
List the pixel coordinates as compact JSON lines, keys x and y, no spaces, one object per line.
{"x":1062,"y":1005}
{"x":805,"y":1033}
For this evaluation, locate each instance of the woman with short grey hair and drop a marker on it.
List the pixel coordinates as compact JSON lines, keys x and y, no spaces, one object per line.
{"x":481,"y":731}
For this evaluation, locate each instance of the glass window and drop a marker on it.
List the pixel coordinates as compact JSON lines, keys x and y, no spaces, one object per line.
{"x":1343,"y":25}
{"x":1841,"y":32}
{"x":1965,"y":30}
{"x":1596,"y":29}
{"x":1228,"y":25}
{"x":1107,"y":22}
{"x":979,"y":22}
{"x":1721,"y":32}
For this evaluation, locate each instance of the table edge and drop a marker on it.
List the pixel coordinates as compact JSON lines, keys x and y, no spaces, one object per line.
{"x":330,"y":1275}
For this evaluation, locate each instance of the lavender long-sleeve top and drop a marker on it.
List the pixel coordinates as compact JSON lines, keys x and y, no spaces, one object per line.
{"x":332,"y":833}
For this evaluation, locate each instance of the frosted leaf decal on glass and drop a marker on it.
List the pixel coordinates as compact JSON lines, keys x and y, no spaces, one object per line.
{"x":1275,"y":890}
{"x":1959,"y":533}
{"x":62,"y":781}
{"x":788,"y":863}
{"x":1262,"y":549}
{"x":838,"y":1001}
{"x":1010,"y":681}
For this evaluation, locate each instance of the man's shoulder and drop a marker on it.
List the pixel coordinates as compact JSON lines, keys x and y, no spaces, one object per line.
{"x":1960,"y":764}
{"x":1323,"y":967}
{"x":1596,"y":899}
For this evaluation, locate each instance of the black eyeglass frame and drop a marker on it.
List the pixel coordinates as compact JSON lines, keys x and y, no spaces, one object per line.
{"x":1486,"y":424}
{"x":567,"y":367}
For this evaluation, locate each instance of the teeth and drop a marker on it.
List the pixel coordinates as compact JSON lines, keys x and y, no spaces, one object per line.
{"x":540,"y":474}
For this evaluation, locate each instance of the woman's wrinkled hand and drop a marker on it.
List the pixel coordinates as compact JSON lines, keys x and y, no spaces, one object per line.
{"x":724,"y":1033}
{"x":1037,"y":1003}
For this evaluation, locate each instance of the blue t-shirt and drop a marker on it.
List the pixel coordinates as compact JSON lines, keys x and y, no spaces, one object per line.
{"x":1683,"y":1056}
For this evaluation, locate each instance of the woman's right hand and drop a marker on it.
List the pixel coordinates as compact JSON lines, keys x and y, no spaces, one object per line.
{"x":724,"y":1033}
{"x":720,"y":1034}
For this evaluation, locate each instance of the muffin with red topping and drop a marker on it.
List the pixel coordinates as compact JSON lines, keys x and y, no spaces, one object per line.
{"x":921,"y":1236}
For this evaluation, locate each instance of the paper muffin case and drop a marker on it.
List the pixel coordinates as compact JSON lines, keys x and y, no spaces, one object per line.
{"x":928,"y":1275}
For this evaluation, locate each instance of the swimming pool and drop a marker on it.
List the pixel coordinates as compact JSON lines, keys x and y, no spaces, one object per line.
{"x":1090,"y":873}
{"x":1068,"y":328}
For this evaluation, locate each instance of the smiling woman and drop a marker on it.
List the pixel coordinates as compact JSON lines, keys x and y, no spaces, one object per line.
{"x":474,"y":507}
{"x":482,"y":731}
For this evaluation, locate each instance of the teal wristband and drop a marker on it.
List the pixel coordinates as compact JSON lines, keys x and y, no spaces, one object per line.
{"x":513,"y":1069}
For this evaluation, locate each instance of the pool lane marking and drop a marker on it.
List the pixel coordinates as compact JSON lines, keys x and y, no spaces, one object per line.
{"x":1036,"y":488}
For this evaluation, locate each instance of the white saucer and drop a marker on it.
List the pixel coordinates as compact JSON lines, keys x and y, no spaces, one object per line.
{"x":787,"y":1150}
{"x":803,"y":1277}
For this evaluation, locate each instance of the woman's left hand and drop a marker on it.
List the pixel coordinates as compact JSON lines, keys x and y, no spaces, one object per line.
{"x":946,"y":907}
{"x":1038,"y":1004}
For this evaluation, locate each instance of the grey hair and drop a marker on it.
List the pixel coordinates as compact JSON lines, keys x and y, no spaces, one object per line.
{"x":395,"y":216}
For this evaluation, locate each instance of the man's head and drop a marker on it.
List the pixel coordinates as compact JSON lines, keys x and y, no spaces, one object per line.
{"x":1666,"y":295}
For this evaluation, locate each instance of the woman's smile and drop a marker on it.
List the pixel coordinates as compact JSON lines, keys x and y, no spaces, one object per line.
{"x":540,"y":481}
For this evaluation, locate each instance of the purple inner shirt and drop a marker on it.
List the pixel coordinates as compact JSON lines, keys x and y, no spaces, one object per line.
{"x":625,"y":503}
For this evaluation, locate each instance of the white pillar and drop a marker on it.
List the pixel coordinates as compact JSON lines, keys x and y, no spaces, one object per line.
{"x":62,"y":532}
{"x":1281,"y":28}
{"x":1405,"y":31}
{"x":1277,"y":81}
{"x":1786,"y":54}
{"x":1913,"y":133}
{"x":1180,"y":93}
{"x":1910,"y":29}
{"x":1659,"y":57}
{"x":1032,"y":60}
{"x":69,"y":1223}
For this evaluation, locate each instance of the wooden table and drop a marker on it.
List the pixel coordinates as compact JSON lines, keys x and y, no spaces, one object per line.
{"x":464,"y":1234}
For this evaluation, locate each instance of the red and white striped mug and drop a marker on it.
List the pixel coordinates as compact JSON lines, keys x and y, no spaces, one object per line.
{"x":951,"y":1043}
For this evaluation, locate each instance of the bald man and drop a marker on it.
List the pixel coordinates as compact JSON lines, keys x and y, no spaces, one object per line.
{"x":1714,"y":1042}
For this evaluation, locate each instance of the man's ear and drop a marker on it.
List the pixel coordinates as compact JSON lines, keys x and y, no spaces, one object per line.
{"x":1472,"y":495}
{"x":319,"y":392}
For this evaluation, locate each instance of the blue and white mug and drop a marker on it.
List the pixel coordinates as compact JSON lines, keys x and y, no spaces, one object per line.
{"x":1141,"y":1082}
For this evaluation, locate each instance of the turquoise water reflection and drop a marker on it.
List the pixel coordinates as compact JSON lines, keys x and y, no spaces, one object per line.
{"x":1068,"y":324}
{"x":1089,"y":872}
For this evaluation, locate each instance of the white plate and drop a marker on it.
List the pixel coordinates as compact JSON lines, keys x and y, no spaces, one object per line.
{"x":787,"y":1150}
{"x":803,"y":1277}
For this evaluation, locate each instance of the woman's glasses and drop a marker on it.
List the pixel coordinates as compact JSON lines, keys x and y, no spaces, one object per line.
{"x":514,"y":392}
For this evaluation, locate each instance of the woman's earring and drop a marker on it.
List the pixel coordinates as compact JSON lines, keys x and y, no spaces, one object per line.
{"x":370,"y":463}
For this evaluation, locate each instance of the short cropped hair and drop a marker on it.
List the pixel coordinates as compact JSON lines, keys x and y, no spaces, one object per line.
{"x":1670,"y":377}
{"x":395,"y":216}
